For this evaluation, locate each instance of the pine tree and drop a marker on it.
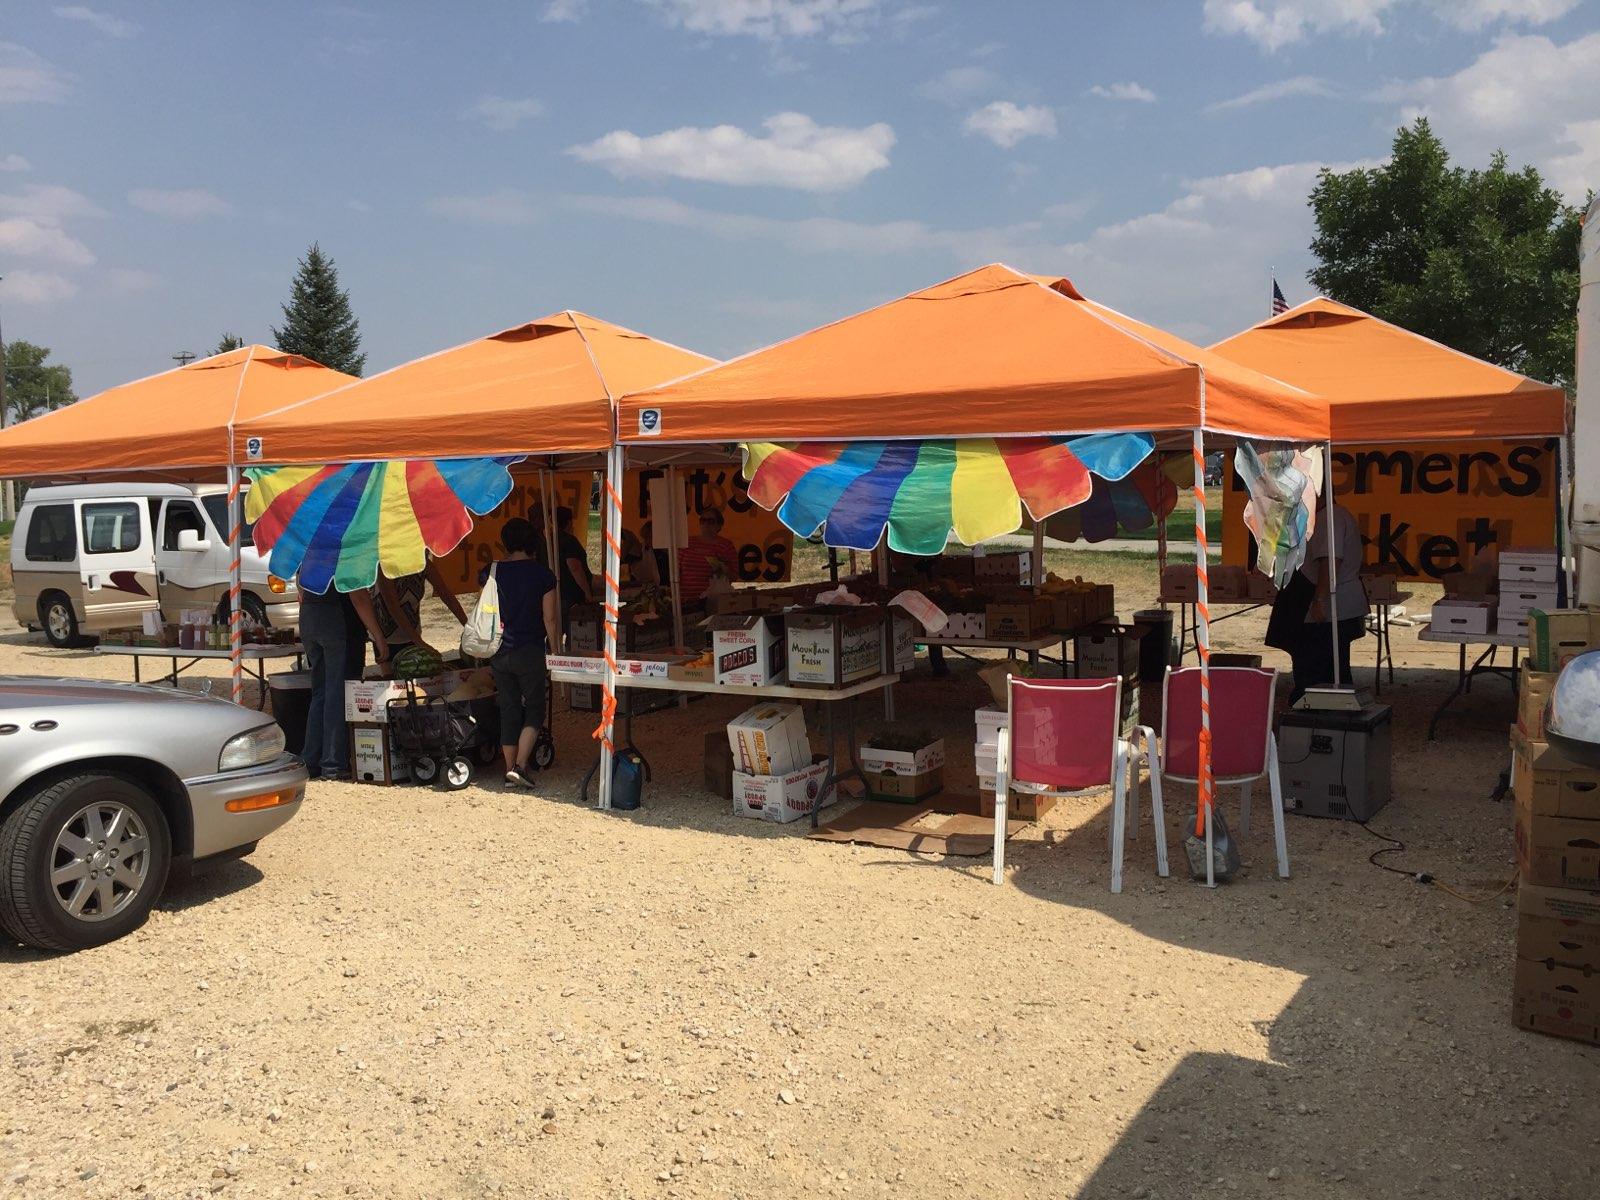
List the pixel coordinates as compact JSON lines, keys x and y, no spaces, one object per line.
{"x":317,"y":321}
{"x":229,"y":342}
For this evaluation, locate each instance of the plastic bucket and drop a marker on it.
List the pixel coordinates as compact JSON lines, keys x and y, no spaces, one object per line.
{"x":1154,"y":626}
{"x":291,"y":703}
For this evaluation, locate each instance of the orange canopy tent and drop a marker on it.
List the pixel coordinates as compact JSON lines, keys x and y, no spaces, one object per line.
{"x":175,"y":421}
{"x":990,"y":353}
{"x":1382,"y":383}
{"x":545,"y":387}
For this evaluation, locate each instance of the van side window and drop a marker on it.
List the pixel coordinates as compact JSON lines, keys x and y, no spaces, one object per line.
{"x":50,"y":534}
{"x":110,"y":528}
{"x":181,"y":515}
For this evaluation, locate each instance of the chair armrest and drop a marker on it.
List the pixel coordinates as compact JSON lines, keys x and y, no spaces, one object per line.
{"x":1002,"y":769}
{"x":1151,"y":746}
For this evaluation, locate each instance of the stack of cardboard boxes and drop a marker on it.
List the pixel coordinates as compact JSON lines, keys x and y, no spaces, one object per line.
{"x":775,"y":775}
{"x":1021,"y":806}
{"x":1557,"y":833}
{"x":1527,"y":582}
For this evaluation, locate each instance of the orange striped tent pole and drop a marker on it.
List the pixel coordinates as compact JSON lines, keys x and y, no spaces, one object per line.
{"x":235,"y":587}
{"x":611,"y":569}
{"x":1202,"y":606}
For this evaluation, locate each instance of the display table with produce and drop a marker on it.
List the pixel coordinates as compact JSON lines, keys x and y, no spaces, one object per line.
{"x":186,"y":659}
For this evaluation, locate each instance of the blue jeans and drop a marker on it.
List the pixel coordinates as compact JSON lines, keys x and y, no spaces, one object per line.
{"x":332,"y":656}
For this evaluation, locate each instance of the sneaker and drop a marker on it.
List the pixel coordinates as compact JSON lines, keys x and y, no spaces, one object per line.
{"x":519,"y":777}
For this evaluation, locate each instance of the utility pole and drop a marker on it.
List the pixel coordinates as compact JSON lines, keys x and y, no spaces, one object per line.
{"x":183,"y":358}
{"x":8,"y":496}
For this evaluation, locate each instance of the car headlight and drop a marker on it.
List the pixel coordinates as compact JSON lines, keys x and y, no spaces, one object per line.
{"x":251,"y":749}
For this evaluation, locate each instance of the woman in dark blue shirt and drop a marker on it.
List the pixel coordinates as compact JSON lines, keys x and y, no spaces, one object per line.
{"x":529,"y":614}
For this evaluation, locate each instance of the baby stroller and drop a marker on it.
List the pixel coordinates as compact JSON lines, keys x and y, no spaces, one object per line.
{"x":439,"y":739}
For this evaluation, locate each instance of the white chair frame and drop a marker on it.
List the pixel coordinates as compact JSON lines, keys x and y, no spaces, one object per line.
{"x":1126,"y":755}
{"x":1246,"y":783}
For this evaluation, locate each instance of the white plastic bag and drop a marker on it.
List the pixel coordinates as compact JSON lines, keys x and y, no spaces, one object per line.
{"x":481,"y":637}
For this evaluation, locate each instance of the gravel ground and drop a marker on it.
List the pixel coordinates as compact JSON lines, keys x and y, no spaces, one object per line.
{"x":409,"y":993}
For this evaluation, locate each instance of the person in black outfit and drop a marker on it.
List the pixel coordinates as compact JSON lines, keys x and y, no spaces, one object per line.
{"x":577,"y":584}
{"x":528,"y":617}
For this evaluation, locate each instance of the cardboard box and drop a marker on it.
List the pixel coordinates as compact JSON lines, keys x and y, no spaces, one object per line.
{"x":744,"y":600}
{"x":372,"y":759}
{"x":1456,"y":615}
{"x":1020,"y":619}
{"x":769,"y":739}
{"x":1470,"y":585}
{"x":719,"y":765}
{"x":1012,"y":567}
{"x":966,"y":625}
{"x":989,"y":721}
{"x":1068,"y":610}
{"x":1020,"y":806}
{"x":696,"y":670}
{"x":1518,"y":600}
{"x":900,"y":634}
{"x":1261,"y":587}
{"x":1511,"y":627}
{"x":834,"y":646}
{"x":1102,"y":603}
{"x":1229,"y":583}
{"x":1545,"y":935}
{"x":1528,"y":564}
{"x":1533,"y":696}
{"x":1557,"y":636}
{"x":366,"y":701}
{"x":783,"y":798}
{"x":1558,"y":852}
{"x":1106,"y":651}
{"x":1180,"y":582}
{"x":1557,"y":999}
{"x":592,"y":665}
{"x":903,"y":774}
{"x":1552,"y":785}
{"x":749,"y":649}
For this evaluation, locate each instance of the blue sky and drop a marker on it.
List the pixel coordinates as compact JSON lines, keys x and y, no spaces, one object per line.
{"x":720,"y":173}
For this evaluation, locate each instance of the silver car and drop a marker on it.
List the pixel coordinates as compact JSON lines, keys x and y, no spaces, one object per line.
{"x":106,"y":787}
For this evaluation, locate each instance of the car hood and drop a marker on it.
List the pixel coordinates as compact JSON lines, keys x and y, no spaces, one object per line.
{"x":43,"y":691}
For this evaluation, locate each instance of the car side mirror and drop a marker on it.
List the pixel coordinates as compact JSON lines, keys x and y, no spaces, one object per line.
{"x":189,"y":542}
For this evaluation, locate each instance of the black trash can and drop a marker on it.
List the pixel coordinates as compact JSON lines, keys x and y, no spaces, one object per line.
{"x":1154,"y":626}
{"x":291,"y":703}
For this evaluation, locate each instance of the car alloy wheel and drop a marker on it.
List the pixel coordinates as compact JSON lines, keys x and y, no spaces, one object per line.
{"x":101,"y":861}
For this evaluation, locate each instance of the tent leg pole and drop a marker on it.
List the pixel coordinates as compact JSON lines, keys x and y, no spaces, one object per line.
{"x":1038,"y":554}
{"x":611,"y":507}
{"x":833,"y":566}
{"x":235,"y":622}
{"x":675,"y":493}
{"x":1202,"y":637}
{"x":882,"y":555}
{"x":1333,"y":562}
{"x":1161,"y":531}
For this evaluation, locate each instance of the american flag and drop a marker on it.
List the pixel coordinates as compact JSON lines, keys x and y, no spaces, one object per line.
{"x":1279,"y":304}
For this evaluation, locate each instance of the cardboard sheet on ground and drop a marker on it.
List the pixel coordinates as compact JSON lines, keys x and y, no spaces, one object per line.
{"x":944,"y":825}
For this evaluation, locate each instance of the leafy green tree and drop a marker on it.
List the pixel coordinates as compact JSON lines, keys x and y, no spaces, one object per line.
{"x":33,"y":386}
{"x":229,"y":341}
{"x":317,"y":321}
{"x":1485,"y":261}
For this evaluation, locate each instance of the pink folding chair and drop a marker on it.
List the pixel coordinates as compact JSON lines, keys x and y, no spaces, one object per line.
{"x":1242,"y":746}
{"x":1063,"y":736}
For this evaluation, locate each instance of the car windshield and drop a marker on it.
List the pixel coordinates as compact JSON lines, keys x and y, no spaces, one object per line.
{"x":217,"y":509}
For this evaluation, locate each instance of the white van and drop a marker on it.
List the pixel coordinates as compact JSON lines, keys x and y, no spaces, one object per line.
{"x":95,"y":556}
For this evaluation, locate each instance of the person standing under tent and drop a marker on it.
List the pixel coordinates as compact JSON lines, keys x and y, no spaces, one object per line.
{"x":696,"y":560}
{"x":333,"y":630}
{"x":530,"y":620}
{"x":1311,"y":646}
{"x":398,"y":606}
{"x":577,"y":583}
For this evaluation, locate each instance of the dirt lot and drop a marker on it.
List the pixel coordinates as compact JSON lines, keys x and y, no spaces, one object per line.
{"x":408,"y":993}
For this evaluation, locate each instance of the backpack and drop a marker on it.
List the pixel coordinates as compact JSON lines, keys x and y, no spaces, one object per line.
{"x":481,"y":636}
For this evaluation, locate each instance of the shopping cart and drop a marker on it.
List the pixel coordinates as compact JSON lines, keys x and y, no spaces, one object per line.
{"x":439,"y":739}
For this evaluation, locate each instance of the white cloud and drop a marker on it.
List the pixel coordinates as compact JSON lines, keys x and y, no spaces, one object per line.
{"x":25,"y":237}
{"x":14,"y":162}
{"x":1528,"y":95}
{"x":564,"y":10}
{"x":179,"y":203}
{"x":129,"y":281}
{"x":50,"y":204}
{"x":795,"y":153}
{"x":1273,"y":24}
{"x":1124,"y":91}
{"x":37,"y":287}
{"x":497,"y":112}
{"x":960,"y":84}
{"x":27,"y":78}
{"x":107,"y":23}
{"x":770,"y":20}
{"x":1300,"y":85}
{"x":494,"y":208}
{"x":1005,"y":124}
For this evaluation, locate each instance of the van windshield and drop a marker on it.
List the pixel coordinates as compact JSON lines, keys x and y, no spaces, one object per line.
{"x":217,"y":509}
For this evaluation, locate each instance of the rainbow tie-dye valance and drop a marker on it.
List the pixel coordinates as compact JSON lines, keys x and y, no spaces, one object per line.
{"x":336,"y":525}
{"x":919,"y":491}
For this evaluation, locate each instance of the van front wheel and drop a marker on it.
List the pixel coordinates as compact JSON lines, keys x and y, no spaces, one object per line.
{"x":59,"y":622}
{"x":255,"y":612}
